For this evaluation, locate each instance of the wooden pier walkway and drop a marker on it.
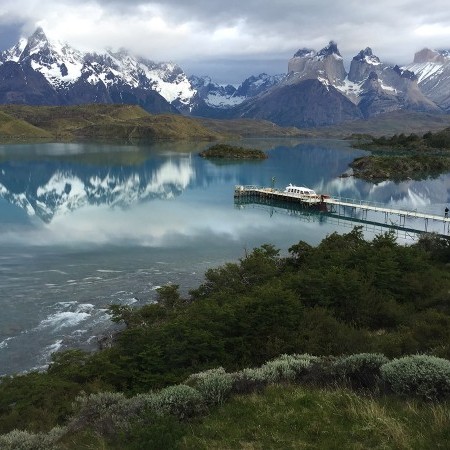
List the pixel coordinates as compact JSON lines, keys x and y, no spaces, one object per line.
{"x":340,"y":206}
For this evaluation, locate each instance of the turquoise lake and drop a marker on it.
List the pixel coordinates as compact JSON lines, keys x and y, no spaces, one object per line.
{"x":86,"y":225}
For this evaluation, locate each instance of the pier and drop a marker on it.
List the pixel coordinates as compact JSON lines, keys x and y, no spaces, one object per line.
{"x":346,"y":209}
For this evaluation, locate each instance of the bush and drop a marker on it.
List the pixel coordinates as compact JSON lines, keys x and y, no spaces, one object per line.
{"x":180,"y":401}
{"x":361,"y":370}
{"x":23,"y":440}
{"x":421,"y":375}
{"x":215,"y":385}
{"x":283,"y":368}
{"x":108,"y":412}
{"x":287,"y":367}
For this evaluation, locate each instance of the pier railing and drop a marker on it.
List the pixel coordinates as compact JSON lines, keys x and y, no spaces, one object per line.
{"x":339,"y":205}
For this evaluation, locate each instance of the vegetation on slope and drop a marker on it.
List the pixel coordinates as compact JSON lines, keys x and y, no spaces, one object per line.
{"x":282,"y":404}
{"x":294,"y":417}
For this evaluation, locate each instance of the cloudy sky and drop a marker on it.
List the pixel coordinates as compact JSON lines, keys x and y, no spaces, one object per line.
{"x":233,"y":39}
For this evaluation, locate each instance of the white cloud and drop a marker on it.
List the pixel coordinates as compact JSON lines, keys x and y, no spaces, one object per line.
{"x":238,"y":30}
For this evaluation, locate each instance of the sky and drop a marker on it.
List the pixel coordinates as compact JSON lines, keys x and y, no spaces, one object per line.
{"x":233,"y":39}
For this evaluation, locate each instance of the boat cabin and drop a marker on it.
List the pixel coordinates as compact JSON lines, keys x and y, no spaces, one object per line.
{"x":300,"y":190}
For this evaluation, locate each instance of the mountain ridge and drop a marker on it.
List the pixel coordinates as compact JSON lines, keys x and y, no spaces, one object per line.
{"x":41,"y":71}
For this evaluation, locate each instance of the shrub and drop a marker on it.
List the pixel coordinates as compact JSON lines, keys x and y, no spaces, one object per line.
{"x":23,"y":440}
{"x":421,"y":375}
{"x":361,"y":370}
{"x":180,"y":401}
{"x":215,"y":385}
{"x":283,"y":368}
{"x":287,"y":367}
{"x":106,"y":412}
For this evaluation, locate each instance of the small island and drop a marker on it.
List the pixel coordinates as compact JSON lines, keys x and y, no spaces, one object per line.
{"x":402,"y":157}
{"x":399,"y":168}
{"x":225,"y":151}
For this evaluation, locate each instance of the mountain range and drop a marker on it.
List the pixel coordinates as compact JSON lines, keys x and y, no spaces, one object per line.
{"x":316,"y":91}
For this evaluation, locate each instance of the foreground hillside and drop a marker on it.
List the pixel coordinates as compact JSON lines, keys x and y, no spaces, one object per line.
{"x":343,"y":297}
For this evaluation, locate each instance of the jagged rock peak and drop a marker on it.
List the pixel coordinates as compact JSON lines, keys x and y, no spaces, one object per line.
{"x":38,"y":37}
{"x":404,"y":73}
{"x":367,"y":56}
{"x":427,"y":55}
{"x":330,"y":49}
{"x":305,"y":52}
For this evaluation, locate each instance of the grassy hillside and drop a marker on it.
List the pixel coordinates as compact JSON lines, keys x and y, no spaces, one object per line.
{"x":289,"y":417}
{"x":12,"y":127}
{"x":118,"y":122}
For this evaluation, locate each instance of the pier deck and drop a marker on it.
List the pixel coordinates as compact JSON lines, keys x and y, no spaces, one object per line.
{"x":338,"y":205}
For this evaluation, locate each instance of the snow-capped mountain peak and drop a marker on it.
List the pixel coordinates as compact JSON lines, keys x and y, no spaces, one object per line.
{"x":98,"y":76}
{"x":368,"y":57}
{"x":432,"y":69}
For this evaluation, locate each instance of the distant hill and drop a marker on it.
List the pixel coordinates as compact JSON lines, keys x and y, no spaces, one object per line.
{"x":13,"y":127}
{"x":387,"y":124}
{"x":111,"y":122}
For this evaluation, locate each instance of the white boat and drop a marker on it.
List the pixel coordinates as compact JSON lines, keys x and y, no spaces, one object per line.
{"x":300,"y":191}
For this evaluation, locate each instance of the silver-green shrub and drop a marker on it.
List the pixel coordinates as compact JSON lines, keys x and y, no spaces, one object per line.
{"x":421,"y":375}
{"x":283,"y":368}
{"x":287,"y":367}
{"x":106,"y":412}
{"x":181,"y":401}
{"x":361,"y":370}
{"x":215,"y":385}
{"x":23,"y":440}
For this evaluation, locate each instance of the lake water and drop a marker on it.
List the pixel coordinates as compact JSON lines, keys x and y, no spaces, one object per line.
{"x":83,"y":226}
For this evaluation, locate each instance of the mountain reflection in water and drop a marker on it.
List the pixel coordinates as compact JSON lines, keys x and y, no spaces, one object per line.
{"x":83,"y":226}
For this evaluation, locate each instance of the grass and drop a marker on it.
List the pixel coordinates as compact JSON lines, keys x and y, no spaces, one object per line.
{"x":292,"y":417}
{"x":295,"y":418}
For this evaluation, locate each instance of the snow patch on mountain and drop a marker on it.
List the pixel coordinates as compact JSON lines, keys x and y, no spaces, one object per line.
{"x":426,"y":70}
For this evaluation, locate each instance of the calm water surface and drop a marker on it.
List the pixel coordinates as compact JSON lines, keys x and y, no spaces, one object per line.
{"x":83,"y":226}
